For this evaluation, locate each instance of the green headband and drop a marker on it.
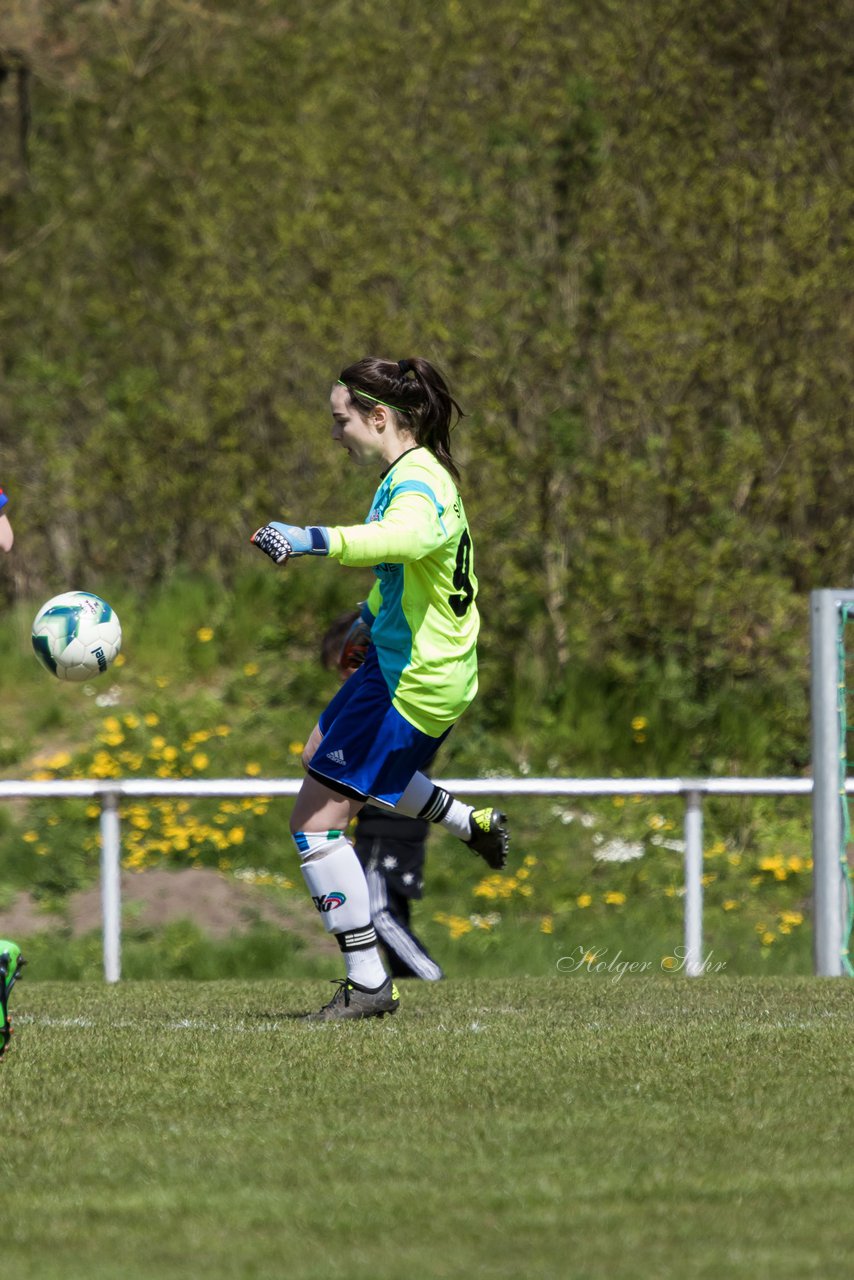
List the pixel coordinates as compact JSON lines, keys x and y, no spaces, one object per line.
{"x":364,"y":394}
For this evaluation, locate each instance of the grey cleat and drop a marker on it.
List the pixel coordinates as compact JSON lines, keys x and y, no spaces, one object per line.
{"x":490,"y":837}
{"x":353,"y":1001}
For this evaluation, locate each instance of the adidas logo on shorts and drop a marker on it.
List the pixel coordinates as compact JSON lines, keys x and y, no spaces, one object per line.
{"x":337,"y":757}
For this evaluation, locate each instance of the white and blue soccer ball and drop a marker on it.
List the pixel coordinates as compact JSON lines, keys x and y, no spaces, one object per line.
{"x":76,"y":636}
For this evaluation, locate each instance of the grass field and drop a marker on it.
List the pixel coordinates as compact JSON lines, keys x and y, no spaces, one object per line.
{"x":567,"y":1127}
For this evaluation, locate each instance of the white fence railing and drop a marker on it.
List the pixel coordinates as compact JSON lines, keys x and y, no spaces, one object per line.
{"x":110,"y":793}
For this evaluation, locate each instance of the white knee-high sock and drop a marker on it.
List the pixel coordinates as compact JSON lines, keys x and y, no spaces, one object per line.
{"x":423,"y":799}
{"x":339,"y":890}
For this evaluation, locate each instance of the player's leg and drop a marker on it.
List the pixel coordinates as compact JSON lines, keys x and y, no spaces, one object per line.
{"x":484,"y":830}
{"x":407,"y":956}
{"x":336,"y":882}
{"x":341,"y":756}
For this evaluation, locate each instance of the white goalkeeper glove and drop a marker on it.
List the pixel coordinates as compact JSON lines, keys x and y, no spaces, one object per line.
{"x":281,"y":541}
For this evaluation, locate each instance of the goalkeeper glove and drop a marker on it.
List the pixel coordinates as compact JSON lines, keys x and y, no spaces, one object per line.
{"x":281,"y":541}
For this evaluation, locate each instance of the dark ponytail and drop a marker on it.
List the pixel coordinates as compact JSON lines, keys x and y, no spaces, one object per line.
{"x":416,"y":391}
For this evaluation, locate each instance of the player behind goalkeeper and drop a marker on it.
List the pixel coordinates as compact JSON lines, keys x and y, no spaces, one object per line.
{"x":388,"y":720}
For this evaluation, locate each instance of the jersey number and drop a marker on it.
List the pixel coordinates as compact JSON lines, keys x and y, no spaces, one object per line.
{"x":462,"y":579}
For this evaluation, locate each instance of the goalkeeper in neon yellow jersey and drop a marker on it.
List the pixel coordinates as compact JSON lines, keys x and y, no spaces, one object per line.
{"x":387,"y":721}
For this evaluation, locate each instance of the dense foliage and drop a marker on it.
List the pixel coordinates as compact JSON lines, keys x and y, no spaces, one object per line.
{"x":622,"y":229}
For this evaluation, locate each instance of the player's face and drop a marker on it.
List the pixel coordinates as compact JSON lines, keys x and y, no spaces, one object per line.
{"x":361,"y":437}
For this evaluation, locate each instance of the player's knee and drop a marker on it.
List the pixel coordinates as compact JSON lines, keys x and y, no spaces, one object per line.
{"x":314,"y":740}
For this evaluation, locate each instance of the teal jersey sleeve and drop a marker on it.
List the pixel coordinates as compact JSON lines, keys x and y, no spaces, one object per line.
{"x":417,"y":540}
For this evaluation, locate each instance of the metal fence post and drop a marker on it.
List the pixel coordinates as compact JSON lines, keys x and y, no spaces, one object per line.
{"x":111,"y":904}
{"x":693,"y":883}
{"x":828,"y":796}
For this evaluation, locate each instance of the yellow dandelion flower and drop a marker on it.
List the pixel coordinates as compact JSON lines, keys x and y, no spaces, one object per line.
{"x":151,"y":719}
{"x":200,"y":760}
{"x":104,"y":766}
{"x":639,"y":723}
{"x":618,"y":801}
{"x":131,"y":721}
{"x":251,"y":668}
{"x":583,"y":900}
{"x":236,"y":835}
{"x":296,"y":748}
{"x":162,"y":682}
{"x":768,"y":938}
{"x":170,"y":754}
{"x":614,"y":898}
{"x":119,"y":660}
{"x":30,"y":836}
{"x":731,"y":904}
{"x":547,"y":925}
{"x":222,"y":730}
{"x":253,"y":769}
{"x":529,"y":861}
{"x":204,"y":635}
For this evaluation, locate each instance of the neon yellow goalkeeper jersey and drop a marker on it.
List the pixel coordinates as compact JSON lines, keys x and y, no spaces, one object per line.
{"x":425,"y":626}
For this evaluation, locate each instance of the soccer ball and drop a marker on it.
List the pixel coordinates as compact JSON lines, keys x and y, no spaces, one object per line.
{"x":76,"y":636}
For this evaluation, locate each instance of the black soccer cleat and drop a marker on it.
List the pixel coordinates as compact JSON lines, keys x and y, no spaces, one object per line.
{"x":490,"y":837}
{"x":353,"y":1001}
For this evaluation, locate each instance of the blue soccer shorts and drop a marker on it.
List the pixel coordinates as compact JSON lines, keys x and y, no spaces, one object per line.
{"x":369,"y":751}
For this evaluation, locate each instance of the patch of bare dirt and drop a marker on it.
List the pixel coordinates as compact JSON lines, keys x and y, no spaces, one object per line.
{"x":216,"y":904}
